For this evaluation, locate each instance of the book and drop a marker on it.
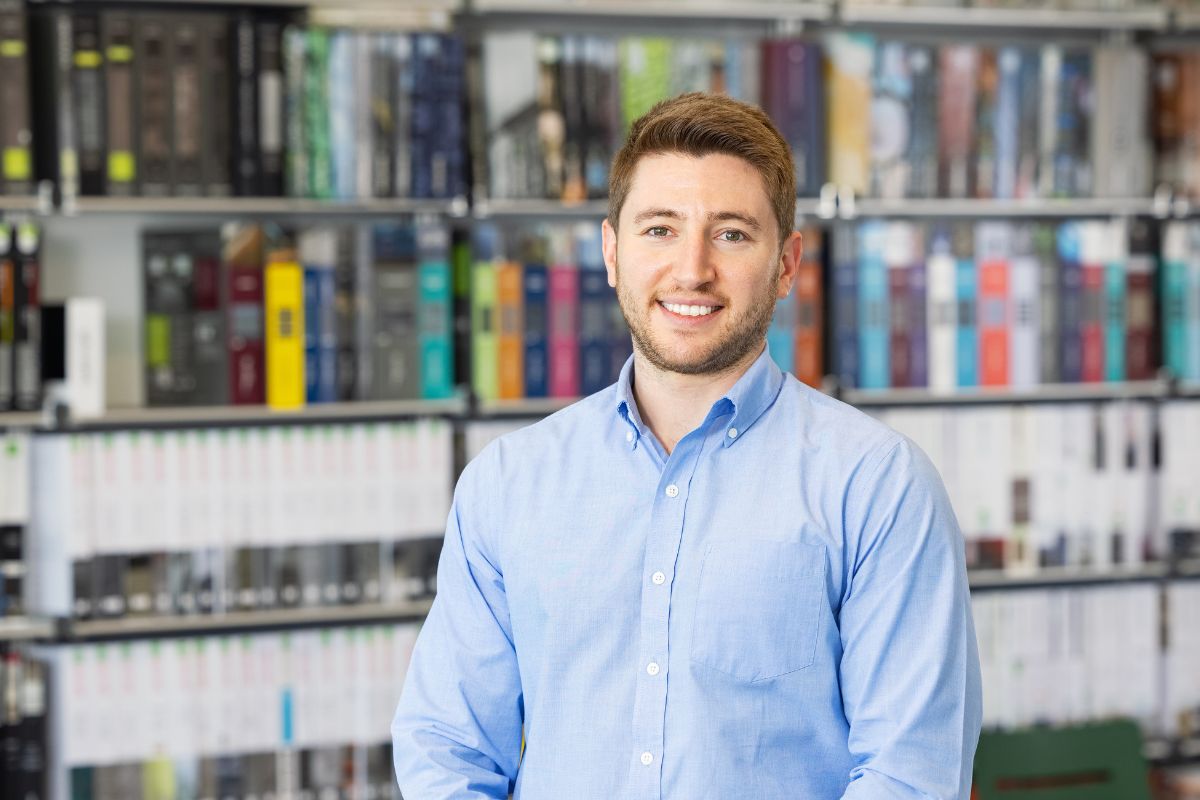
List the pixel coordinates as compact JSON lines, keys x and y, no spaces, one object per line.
{"x":54,"y":148}
{"x":940,"y":310}
{"x":966,"y":283}
{"x":994,"y":252}
{"x":873,"y":321}
{"x":242,"y":267}
{"x":8,"y":315}
{"x":536,"y":333}
{"x":283,"y":312}
{"x":435,"y":310}
{"x":268,"y":35}
{"x":27,"y":301}
{"x":1116,"y":278}
{"x":317,"y":251}
{"x":900,"y":252}
{"x":168,"y":271}
{"x":208,"y":339}
{"x":153,"y":51}
{"x":216,"y":152}
{"x":120,"y":132}
{"x":848,"y":68}
{"x":245,"y":119}
{"x":563,"y":318}
{"x":1174,"y":298}
{"x":1071,"y":312}
{"x":845,"y":306}
{"x":1024,"y":282}
{"x":510,"y":331}
{"x":296,"y":172}
{"x":87,"y":88}
{"x":958,"y":71}
{"x":395,"y":344}
{"x":188,"y":119}
{"x":16,"y":133}
{"x":1091,"y":324}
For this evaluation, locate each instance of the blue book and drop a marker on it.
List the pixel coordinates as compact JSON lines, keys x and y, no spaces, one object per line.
{"x":1006,"y":122}
{"x":327,"y":342}
{"x":342,"y":113}
{"x":873,"y":332}
{"x":312,"y":311}
{"x":435,"y":327}
{"x":1174,"y":298}
{"x":845,"y":308}
{"x":966,"y":343}
{"x":424,"y":143}
{"x":781,"y":336}
{"x":1191,"y":348}
{"x":595,"y":297}
{"x":536,"y":286}
{"x":1071,"y":302}
{"x":1114,"y":319}
{"x":918,"y":327}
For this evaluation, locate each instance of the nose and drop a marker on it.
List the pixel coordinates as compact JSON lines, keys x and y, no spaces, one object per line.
{"x":694,"y":266}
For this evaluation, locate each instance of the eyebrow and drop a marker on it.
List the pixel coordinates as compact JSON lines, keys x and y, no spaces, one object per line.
{"x":715,"y":216}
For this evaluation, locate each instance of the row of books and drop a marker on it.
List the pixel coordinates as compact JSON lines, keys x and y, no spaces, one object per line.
{"x":238,"y":518}
{"x":1052,"y":656}
{"x":882,"y":117}
{"x":297,"y":714}
{"x":252,"y":315}
{"x":1182,"y":655}
{"x":995,"y":304}
{"x":14,"y":516}
{"x":1103,"y":486}
{"x":119,"y":102}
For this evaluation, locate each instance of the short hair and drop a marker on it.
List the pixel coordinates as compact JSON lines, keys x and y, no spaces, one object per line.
{"x":699,"y":124}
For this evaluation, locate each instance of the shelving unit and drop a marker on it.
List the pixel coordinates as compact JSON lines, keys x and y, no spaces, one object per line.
{"x":765,"y":10}
{"x":1154,"y":20}
{"x":1048,"y":393}
{"x":1055,"y":577}
{"x":25,"y":204}
{"x":969,"y":208}
{"x":273,"y":207}
{"x":19,"y":628}
{"x":245,"y":622}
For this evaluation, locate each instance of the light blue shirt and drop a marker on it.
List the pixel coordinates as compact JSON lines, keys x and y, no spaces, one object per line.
{"x":778,"y":610}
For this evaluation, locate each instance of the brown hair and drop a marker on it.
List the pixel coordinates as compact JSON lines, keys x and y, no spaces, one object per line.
{"x":699,"y":124}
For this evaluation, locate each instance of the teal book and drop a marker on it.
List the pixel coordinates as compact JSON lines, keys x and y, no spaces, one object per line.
{"x":1114,"y":319}
{"x":434,"y":303}
{"x":1174,"y":298}
{"x":873,"y":317}
{"x":1191,"y":370}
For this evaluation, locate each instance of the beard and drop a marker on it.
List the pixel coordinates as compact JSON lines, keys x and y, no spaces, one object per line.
{"x":741,"y":333}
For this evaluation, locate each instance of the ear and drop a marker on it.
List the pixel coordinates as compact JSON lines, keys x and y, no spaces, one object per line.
{"x":789,"y":258}
{"x":609,"y":245}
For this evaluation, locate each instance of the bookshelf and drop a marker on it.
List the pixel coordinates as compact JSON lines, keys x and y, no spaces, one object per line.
{"x":767,"y":11}
{"x":28,"y":205}
{"x":1049,"y":393}
{"x":259,"y":207}
{"x":971,"y":208}
{"x":1152,"y":20}
{"x":21,"y":629}
{"x":245,"y":622}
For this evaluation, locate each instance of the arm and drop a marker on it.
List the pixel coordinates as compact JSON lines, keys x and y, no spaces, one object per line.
{"x":910,"y":667}
{"x":457,"y":731}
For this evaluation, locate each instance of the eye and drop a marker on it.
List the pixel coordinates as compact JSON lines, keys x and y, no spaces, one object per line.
{"x":658,"y":231}
{"x":733,"y":236}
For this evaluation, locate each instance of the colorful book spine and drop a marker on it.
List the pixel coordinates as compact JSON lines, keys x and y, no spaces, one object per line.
{"x":781,"y":342}
{"x":537,"y":330}
{"x":958,"y":68}
{"x":16,"y":135}
{"x":1140,"y":352}
{"x":1070,"y":254}
{"x":899,"y":255}
{"x":1116,"y":276}
{"x":564,"y":326}
{"x":116,"y":29}
{"x":1049,"y":304}
{"x":845,"y":307}
{"x":1192,"y":309}
{"x":1174,"y":297}
{"x":1025,"y":367}
{"x":918,"y":318}
{"x":242,"y":257}
{"x":873,"y":323}
{"x":283,"y":304}
{"x":484,"y":337}
{"x":510,"y":332}
{"x":809,"y":363}
{"x":848,"y":68}
{"x":1008,"y":108}
{"x":966,"y":288}
{"x":87,"y":85}
{"x":8,"y":313}
{"x":941,"y":300}
{"x":993,"y":242}
{"x":1091,"y":327}
{"x":435,"y":311}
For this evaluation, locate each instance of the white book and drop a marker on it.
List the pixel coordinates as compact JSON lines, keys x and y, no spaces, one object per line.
{"x":942,"y":314}
{"x":1048,"y":119}
{"x":1024,"y":276}
{"x":14,"y":478}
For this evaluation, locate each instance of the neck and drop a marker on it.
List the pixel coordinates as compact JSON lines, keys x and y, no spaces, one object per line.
{"x":672,"y":404}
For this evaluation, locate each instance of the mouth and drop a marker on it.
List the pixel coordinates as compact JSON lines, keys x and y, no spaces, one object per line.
{"x":690,"y":311}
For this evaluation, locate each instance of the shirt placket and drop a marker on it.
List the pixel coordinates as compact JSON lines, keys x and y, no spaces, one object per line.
{"x":662,"y":553}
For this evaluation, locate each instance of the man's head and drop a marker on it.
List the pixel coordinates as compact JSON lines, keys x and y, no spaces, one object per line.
{"x":699,"y":241}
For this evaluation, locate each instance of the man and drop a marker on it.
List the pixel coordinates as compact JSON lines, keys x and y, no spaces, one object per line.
{"x":708,"y":580}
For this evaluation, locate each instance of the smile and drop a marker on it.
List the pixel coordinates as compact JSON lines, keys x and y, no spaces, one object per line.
{"x":689,"y":311}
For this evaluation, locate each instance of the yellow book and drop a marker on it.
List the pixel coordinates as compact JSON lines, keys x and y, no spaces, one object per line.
{"x":283,"y":301}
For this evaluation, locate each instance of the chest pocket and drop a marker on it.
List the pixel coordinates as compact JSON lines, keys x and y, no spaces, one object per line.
{"x":758,"y":611}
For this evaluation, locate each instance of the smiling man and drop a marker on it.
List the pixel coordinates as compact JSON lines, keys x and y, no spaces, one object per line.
{"x":708,"y":581}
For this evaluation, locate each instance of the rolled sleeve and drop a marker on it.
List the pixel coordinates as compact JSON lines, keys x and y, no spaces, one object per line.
{"x":910,"y":667}
{"x":457,"y":730}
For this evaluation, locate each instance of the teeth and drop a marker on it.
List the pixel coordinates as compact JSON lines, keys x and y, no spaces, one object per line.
{"x":689,"y":311}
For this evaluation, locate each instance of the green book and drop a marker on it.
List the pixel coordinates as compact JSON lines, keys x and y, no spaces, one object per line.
{"x":485,"y":375}
{"x":316,"y":114}
{"x":645,"y":73}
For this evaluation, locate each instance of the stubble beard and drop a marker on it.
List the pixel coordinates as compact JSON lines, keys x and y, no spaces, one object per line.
{"x":740,"y":336}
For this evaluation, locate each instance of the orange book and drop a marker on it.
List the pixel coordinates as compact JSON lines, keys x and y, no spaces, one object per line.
{"x":511,"y":330}
{"x":993,"y":323}
{"x":808,"y":365}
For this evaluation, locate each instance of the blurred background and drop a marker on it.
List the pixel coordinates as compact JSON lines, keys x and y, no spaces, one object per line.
{"x":270,"y":274}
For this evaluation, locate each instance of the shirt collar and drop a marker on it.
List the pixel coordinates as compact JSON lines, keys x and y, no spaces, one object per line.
{"x":747,"y":399}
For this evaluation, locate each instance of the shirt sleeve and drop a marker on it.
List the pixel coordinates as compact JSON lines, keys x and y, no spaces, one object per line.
{"x":910,"y":666}
{"x":456,"y":734}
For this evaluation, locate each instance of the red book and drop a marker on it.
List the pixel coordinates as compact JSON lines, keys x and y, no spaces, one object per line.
{"x":993,"y":248}
{"x":808,"y":365}
{"x":564,"y":330}
{"x":243,"y":264}
{"x":1139,"y":304}
{"x":898,"y":255}
{"x":1092,"y":327}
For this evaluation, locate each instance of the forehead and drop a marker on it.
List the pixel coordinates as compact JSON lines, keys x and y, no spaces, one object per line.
{"x":713,"y":182}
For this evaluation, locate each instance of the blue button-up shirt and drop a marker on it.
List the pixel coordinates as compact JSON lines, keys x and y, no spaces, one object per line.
{"x":778,"y":609}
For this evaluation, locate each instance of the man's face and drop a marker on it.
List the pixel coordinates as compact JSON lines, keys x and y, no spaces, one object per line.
{"x":697,"y":264}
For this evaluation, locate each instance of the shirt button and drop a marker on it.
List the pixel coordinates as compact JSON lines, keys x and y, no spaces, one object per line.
{"x":733,"y":433}
{"x":629,"y":436}
{"x":672,"y":490}
{"x":652,"y":668}
{"x":647,"y":758}
{"x":658,"y":578}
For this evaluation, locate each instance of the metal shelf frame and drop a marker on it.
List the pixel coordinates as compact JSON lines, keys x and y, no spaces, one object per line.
{"x":241,"y":207}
